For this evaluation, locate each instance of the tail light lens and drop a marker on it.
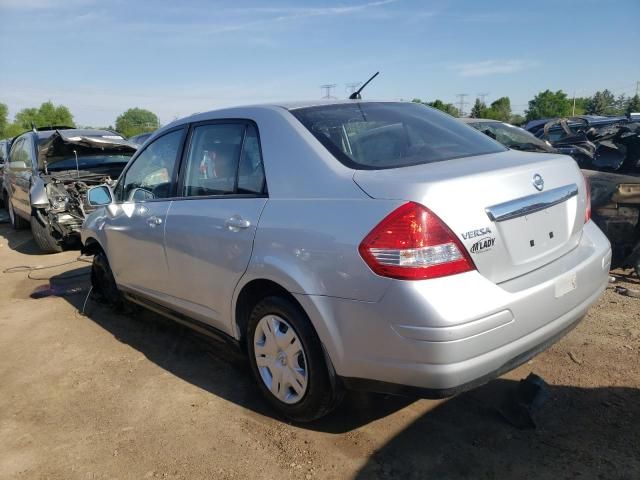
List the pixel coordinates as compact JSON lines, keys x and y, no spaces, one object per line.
{"x":412,"y":243}
{"x":587,"y":187}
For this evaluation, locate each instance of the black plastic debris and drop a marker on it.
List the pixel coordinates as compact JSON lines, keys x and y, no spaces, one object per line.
{"x":627,"y":292}
{"x":520,"y":403}
{"x":49,"y":290}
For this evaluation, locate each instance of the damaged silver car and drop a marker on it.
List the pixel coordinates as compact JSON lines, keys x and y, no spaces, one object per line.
{"x":47,"y":177}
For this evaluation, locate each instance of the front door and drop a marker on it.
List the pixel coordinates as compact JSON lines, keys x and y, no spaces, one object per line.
{"x":135,"y":225}
{"x":19,"y":178}
{"x":211,"y":226}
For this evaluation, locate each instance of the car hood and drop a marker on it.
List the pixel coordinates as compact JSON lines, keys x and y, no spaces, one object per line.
{"x":63,"y":145}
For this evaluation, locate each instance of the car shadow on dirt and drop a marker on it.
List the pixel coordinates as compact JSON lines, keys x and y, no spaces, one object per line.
{"x":581,"y":433}
{"x":212,"y":365}
{"x":22,"y":241}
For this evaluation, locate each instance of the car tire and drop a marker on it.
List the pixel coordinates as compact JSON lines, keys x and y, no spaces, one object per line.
{"x":43,"y":237}
{"x":103,"y":283}
{"x":320,"y":395}
{"x":17,"y":222}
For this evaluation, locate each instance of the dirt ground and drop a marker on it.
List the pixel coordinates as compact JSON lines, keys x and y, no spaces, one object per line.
{"x":110,"y":396}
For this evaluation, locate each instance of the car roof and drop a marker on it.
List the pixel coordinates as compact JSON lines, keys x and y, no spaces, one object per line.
{"x":74,"y":132}
{"x":291,"y":105}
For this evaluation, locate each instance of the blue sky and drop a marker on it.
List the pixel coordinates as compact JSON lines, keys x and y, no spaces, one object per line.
{"x":179,"y":57}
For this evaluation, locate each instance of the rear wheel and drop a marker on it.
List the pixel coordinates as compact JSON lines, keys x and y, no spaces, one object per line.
{"x":287,"y":361}
{"x":43,"y":237}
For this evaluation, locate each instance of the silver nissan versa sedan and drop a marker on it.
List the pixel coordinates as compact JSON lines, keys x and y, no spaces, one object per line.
{"x":379,"y":246}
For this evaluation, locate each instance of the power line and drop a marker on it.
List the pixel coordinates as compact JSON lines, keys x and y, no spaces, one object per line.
{"x":326,"y":90}
{"x":482,"y":97}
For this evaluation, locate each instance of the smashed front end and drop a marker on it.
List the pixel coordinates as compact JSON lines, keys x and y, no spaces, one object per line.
{"x":612,"y":146}
{"x":615,"y":205}
{"x":69,"y":166}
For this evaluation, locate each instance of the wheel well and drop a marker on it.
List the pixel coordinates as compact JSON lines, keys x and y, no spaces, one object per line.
{"x":91,"y":247}
{"x":251,"y":294}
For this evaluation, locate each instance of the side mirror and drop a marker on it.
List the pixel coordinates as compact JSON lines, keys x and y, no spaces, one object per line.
{"x":100,"y":195}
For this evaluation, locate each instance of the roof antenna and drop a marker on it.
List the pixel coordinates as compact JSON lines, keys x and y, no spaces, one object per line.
{"x":356,"y":95}
{"x":77,"y":166}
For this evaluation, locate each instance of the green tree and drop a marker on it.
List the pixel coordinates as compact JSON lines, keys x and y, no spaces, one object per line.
{"x":549,"y":104}
{"x":500,"y":109}
{"x":517,"y":119}
{"x":13,"y":129}
{"x":580,"y":107}
{"x":4,"y":119}
{"x":479,"y":109}
{"x":46,"y":115}
{"x":440,"y":105}
{"x":620,"y":104}
{"x":135,"y":121}
{"x":633,"y":106}
{"x":602,"y":103}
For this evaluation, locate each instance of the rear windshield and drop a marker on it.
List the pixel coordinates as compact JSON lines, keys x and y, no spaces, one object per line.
{"x":371,"y":136}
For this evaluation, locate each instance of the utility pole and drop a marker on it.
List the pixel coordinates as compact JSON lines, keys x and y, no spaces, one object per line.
{"x":352,"y":87}
{"x":573,"y":113}
{"x":461,"y":103}
{"x":482,"y":96}
{"x":326,"y":89}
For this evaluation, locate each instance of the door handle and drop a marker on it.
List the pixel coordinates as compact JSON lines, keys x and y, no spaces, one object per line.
{"x":154,"y":221}
{"x":236,"y":223}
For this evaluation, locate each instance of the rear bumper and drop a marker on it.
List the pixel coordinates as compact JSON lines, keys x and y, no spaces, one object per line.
{"x":446,"y":335}
{"x":396,"y":389}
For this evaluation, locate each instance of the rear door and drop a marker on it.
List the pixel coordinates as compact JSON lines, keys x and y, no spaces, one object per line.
{"x":135,"y":226}
{"x":211,"y":226}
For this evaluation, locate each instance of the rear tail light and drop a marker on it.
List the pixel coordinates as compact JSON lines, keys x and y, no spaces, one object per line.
{"x":412,"y":243}
{"x":587,"y":210}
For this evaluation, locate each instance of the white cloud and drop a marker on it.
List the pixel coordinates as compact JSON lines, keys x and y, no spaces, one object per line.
{"x":297,"y":12}
{"x":41,"y":4}
{"x":492,"y":67}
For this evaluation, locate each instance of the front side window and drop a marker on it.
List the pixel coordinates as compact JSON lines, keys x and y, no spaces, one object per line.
{"x":373,"y":135}
{"x":150,"y":176}
{"x":21,"y":155}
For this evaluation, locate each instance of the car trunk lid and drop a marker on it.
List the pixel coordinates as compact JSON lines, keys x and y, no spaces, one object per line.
{"x":490,"y":202}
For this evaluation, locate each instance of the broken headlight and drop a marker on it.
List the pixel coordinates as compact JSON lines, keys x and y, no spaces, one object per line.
{"x":59,"y":202}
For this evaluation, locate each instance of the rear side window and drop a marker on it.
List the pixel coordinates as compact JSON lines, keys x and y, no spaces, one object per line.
{"x":223,"y":159}
{"x":369,"y":135}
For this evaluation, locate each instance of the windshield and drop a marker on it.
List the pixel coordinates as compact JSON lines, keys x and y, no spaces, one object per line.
{"x":512,"y":137}
{"x":368,"y":135}
{"x":87,"y":162}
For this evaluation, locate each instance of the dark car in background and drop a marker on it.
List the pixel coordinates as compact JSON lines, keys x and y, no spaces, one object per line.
{"x":610,"y":144}
{"x":48,"y":174}
{"x":5,"y":146}
{"x":141,"y":138}
{"x":509,"y":135}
